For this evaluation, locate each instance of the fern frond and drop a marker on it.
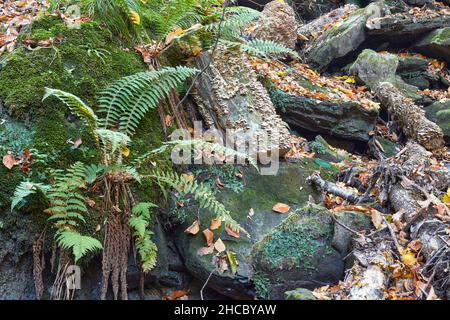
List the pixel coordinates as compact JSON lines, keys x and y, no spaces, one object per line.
{"x":127,"y":100}
{"x":79,"y":244}
{"x":112,"y":141}
{"x":25,"y":189}
{"x":76,"y":106}
{"x":266,"y":48}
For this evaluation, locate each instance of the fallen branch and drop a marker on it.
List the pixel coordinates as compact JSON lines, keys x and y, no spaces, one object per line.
{"x":331,"y":187}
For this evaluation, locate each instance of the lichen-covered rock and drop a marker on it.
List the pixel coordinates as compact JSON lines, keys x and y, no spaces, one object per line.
{"x":323,"y":150}
{"x":342,"y":238}
{"x":298,"y":253}
{"x":340,"y":40}
{"x":346,"y":120}
{"x":380,"y":144}
{"x":372,"y":68}
{"x":229,"y":96}
{"x":299,"y":294}
{"x":277,"y":23}
{"x":436,"y":44}
{"x":439,"y":113}
{"x":260,"y":194}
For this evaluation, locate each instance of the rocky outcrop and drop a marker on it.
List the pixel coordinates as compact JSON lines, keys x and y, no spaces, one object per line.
{"x":405,"y":27}
{"x":229,"y":96}
{"x":346,"y":120}
{"x":436,"y":44}
{"x":343,"y":39}
{"x":439,"y":113}
{"x":260,"y":256}
{"x":277,"y":23}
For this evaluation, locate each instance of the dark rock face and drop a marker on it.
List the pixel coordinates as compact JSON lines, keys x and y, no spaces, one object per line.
{"x":346,"y":120}
{"x":436,"y":44}
{"x":260,"y":194}
{"x":341,"y":40}
{"x":439,"y":113}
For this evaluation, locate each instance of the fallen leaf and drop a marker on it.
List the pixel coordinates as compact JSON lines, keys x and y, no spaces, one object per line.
{"x":281,"y":208}
{"x":215,"y":224}
{"x":89,"y":202}
{"x":218,"y":183}
{"x":232,"y":261}
{"x":432,"y":295}
{"x":125,"y":151}
{"x":205,"y":250}
{"x":176,"y":295}
{"x":251,"y":213}
{"x":209,"y":236}
{"x":415,"y":245}
{"x":194,"y":228}
{"x":408,"y":258}
{"x":219,"y":245}
{"x":231,"y":232}
{"x":77,"y":143}
{"x":377,"y":219}
{"x":9,"y":161}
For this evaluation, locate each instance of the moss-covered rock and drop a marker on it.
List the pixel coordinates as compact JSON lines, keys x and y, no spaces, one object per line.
{"x":439,"y":113}
{"x":260,"y":194}
{"x":299,"y":294}
{"x":436,"y":44}
{"x":323,"y":150}
{"x":298,"y":252}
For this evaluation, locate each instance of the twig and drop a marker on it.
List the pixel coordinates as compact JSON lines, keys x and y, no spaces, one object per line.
{"x":346,"y":227}
{"x":206,"y":282}
{"x":331,"y":187}
{"x":394,"y":238}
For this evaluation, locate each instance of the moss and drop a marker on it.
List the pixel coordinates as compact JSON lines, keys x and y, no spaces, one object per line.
{"x":293,"y":244}
{"x":261,"y":284}
{"x":441,"y":36}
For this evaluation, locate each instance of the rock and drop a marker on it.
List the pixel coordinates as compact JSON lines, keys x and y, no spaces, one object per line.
{"x":388,"y":148}
{"x":417,"y":3}
{"x":324,"y":151}
{"x":436,"y":44}
{"x":298,"y":253}
{"x":343,"y":39}
{"x":411,"y":64}
{"x":309,"y":10}
{"x":439,"y":113}
{"x":229,"y":96}
{"x":405,"y":28}
{"x":372,"y":68}
{"x":342,"y":238}
{"x":261,"y":193}
{"x":277,"y":23}
{"x":299,"y":294}
{"x":315,"y":27}
{"x":346,"y":120}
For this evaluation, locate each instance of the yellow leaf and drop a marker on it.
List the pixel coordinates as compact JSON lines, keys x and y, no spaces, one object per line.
{"x":408,"y":258}
{"x":446,"y":198}
{"x":135,"y":17}
{"x":125,"y":151}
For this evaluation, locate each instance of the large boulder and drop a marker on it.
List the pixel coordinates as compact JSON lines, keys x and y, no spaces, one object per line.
{"x":372,"y":68}
{"x":346,"y":120}
{"x":343,"y":39}
{"x":277,"y":23}
{"x":436,"y":44}
{"x":259,"y":195}
{"x":439,"y":113}
{"x":229,"y":96}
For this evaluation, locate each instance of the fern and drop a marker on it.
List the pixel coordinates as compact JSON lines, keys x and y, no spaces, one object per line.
{"x":76,"y":106}
{"x":267,"y":48}
{"x":79,"y":244}
{"x":25,"y":189}
{"x":139,"y":222}
{"x":201,"y":193}
{"x":127,"y":100}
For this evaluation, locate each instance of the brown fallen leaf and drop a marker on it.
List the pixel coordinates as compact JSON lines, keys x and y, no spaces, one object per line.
{"x":377,"y":219}
{"x":194,"y":228}
{"x":205,"y":250}
{"x":219,"y":245}
{"x":231,"y":232}
{"x":218,"y":183}
{"x":9,"y":161}
{"x":281,"y":208}
{"x":209,"y":236}
{"x":176,"y":295}
{"x":215,"y":224}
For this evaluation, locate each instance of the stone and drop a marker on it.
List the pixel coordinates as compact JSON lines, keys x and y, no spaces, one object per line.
{"x":343,"y":39}
{"x":372,"y":68}
{"x":345,"y":120}
{"x":417,"y":3}
{"x":325,"y":151}
{"x":229,"y":97}
{"x":342,"y":238}
{"x":388,"y":147}
{"x":439,"y":113}
{"x":411,"y":64}
{"x":436,"y":44}
{"x":298,"y":253}
{"x":260,"y":193}
{"x":277,"y":24}
{"x":299,"y":294}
